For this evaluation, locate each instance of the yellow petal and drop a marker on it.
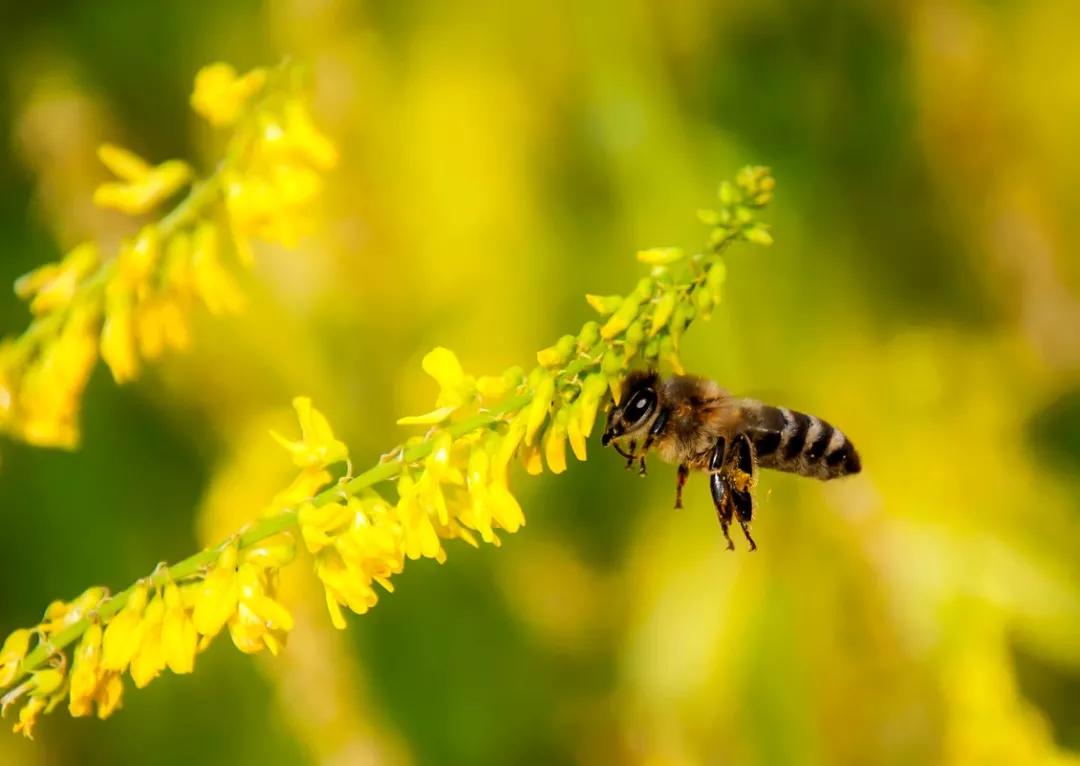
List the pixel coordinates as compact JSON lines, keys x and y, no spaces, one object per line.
{"x":86,"y":672}
{"x":428,"y":418}
{"x":216,"y":598}
{"x":573,"y":431}
{"x":336,"y":617}
{"x":110,"y":692}
{"x":123,"y":163}
{"x":555,"y":442}
{"x":220,"y":95}
{"x":443,"y":365}
{"x":534,"y":464}
{"x":122,"y":634}
{"x":15,"y":646}
{"x":149,"y":658}
{"x":538,"y":408}
{"x":178,"y":636}
{"x":604,"y":304}
{"x":506,"y":510}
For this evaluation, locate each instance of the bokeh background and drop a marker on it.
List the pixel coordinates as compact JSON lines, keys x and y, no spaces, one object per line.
{"x":499,"y":161}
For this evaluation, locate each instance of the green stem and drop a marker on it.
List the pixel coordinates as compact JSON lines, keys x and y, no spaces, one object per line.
{"x":264,"y":528}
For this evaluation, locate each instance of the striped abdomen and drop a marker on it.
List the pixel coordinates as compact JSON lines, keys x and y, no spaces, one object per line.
{"x":786,"y":440}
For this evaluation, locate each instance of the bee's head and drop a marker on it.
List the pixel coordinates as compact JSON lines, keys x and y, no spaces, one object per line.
{"x":637,"y":407}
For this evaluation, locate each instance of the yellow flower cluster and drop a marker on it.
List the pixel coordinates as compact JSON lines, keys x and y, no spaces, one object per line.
{"x":133,"y":305}
{"x":452,"y":483}
{"x":162,"y":624}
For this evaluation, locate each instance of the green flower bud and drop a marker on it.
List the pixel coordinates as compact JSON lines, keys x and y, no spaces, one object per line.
{"x":758,"y":234}
{"x":604,"y":304}
{"x":557,"y":355}
{"x":662,"y":312}
{"x":622,"y":318}
{"x":589,"y":335}
{"x":611,"y":364}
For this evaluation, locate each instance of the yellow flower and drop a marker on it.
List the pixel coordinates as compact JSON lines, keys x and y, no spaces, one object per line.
{"x":43,"y":688}
{"x":28,"y":716}
{"x":592,"y":393}
{"x":143,"y":187}
{"x":118,"y":334}
{"x":320,"y":524}
{"x":123,"y":163}
{"x":54,"y":285}
{"x":138,"y":259}
{"x":342,"y":587}
{"x":12,"y":653}
{"x":477,"y":514}
{"x":122,"y":634}
{"x":317,"y":447}
{"x":215,"y":597}
{"x":419,"y":536}
{"x":372,"y":548}
{"x":306,"y":484}
{"x":455,"y":387}
{"x":538,"y":408}
{"x":61,"y":614}
{"x":533,"y":459}
{"x":220,"y":95}
{"x":555,"y":442}
{"x":272,"y":553}
{"x":178,"y":636}
{"x":109,"y":694}
{"x":49,"y":390}
{"x":86,"y":672}
{"x":149,"y":658}
{"x":259,"y":621}
{"x":306,"y":138}
{"x":160,"y":324}
{"x":505,"y":508}
{"x":210,"y":281}
{"x":574,"y":431}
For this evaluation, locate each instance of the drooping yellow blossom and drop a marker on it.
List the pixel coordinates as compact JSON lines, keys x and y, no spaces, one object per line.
{"x":61,"y":614}
{"x":217,"y":595}
{"x":12,"y":653}
{"x":43,"y":690}
{"x":221,"y":94}
{"x":54,"y":285}
{"x":317,"y":447}
{"x":142,"y":187}
{"x":259,"y":621}
{"x":179,"y":638}
{"x":452,"y":484}
{"x":122,"y":635}
{"x":132,"y":306}
{"x":149,"y":658}
{"x":90,"y":682}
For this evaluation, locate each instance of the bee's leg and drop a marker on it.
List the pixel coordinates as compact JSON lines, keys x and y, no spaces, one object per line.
{"x":720,"y":490}
{"x":741,"y":464}
{"x":680,"y":482}
{"x":641,"y":466}
{"x":630,"y":456}
{"x":722,"y":501}
{"x":744,"y":507}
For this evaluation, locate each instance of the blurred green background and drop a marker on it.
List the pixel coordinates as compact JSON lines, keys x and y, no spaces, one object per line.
{"x":499,"y":162}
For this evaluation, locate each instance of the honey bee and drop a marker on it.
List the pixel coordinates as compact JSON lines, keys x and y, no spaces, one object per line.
{"x":695,"y":424}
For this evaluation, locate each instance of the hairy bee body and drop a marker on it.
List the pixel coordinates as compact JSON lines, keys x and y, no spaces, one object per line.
{"x":694,"y":423}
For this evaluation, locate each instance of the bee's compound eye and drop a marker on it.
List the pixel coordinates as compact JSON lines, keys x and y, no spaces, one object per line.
{"x":640,"y":406}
